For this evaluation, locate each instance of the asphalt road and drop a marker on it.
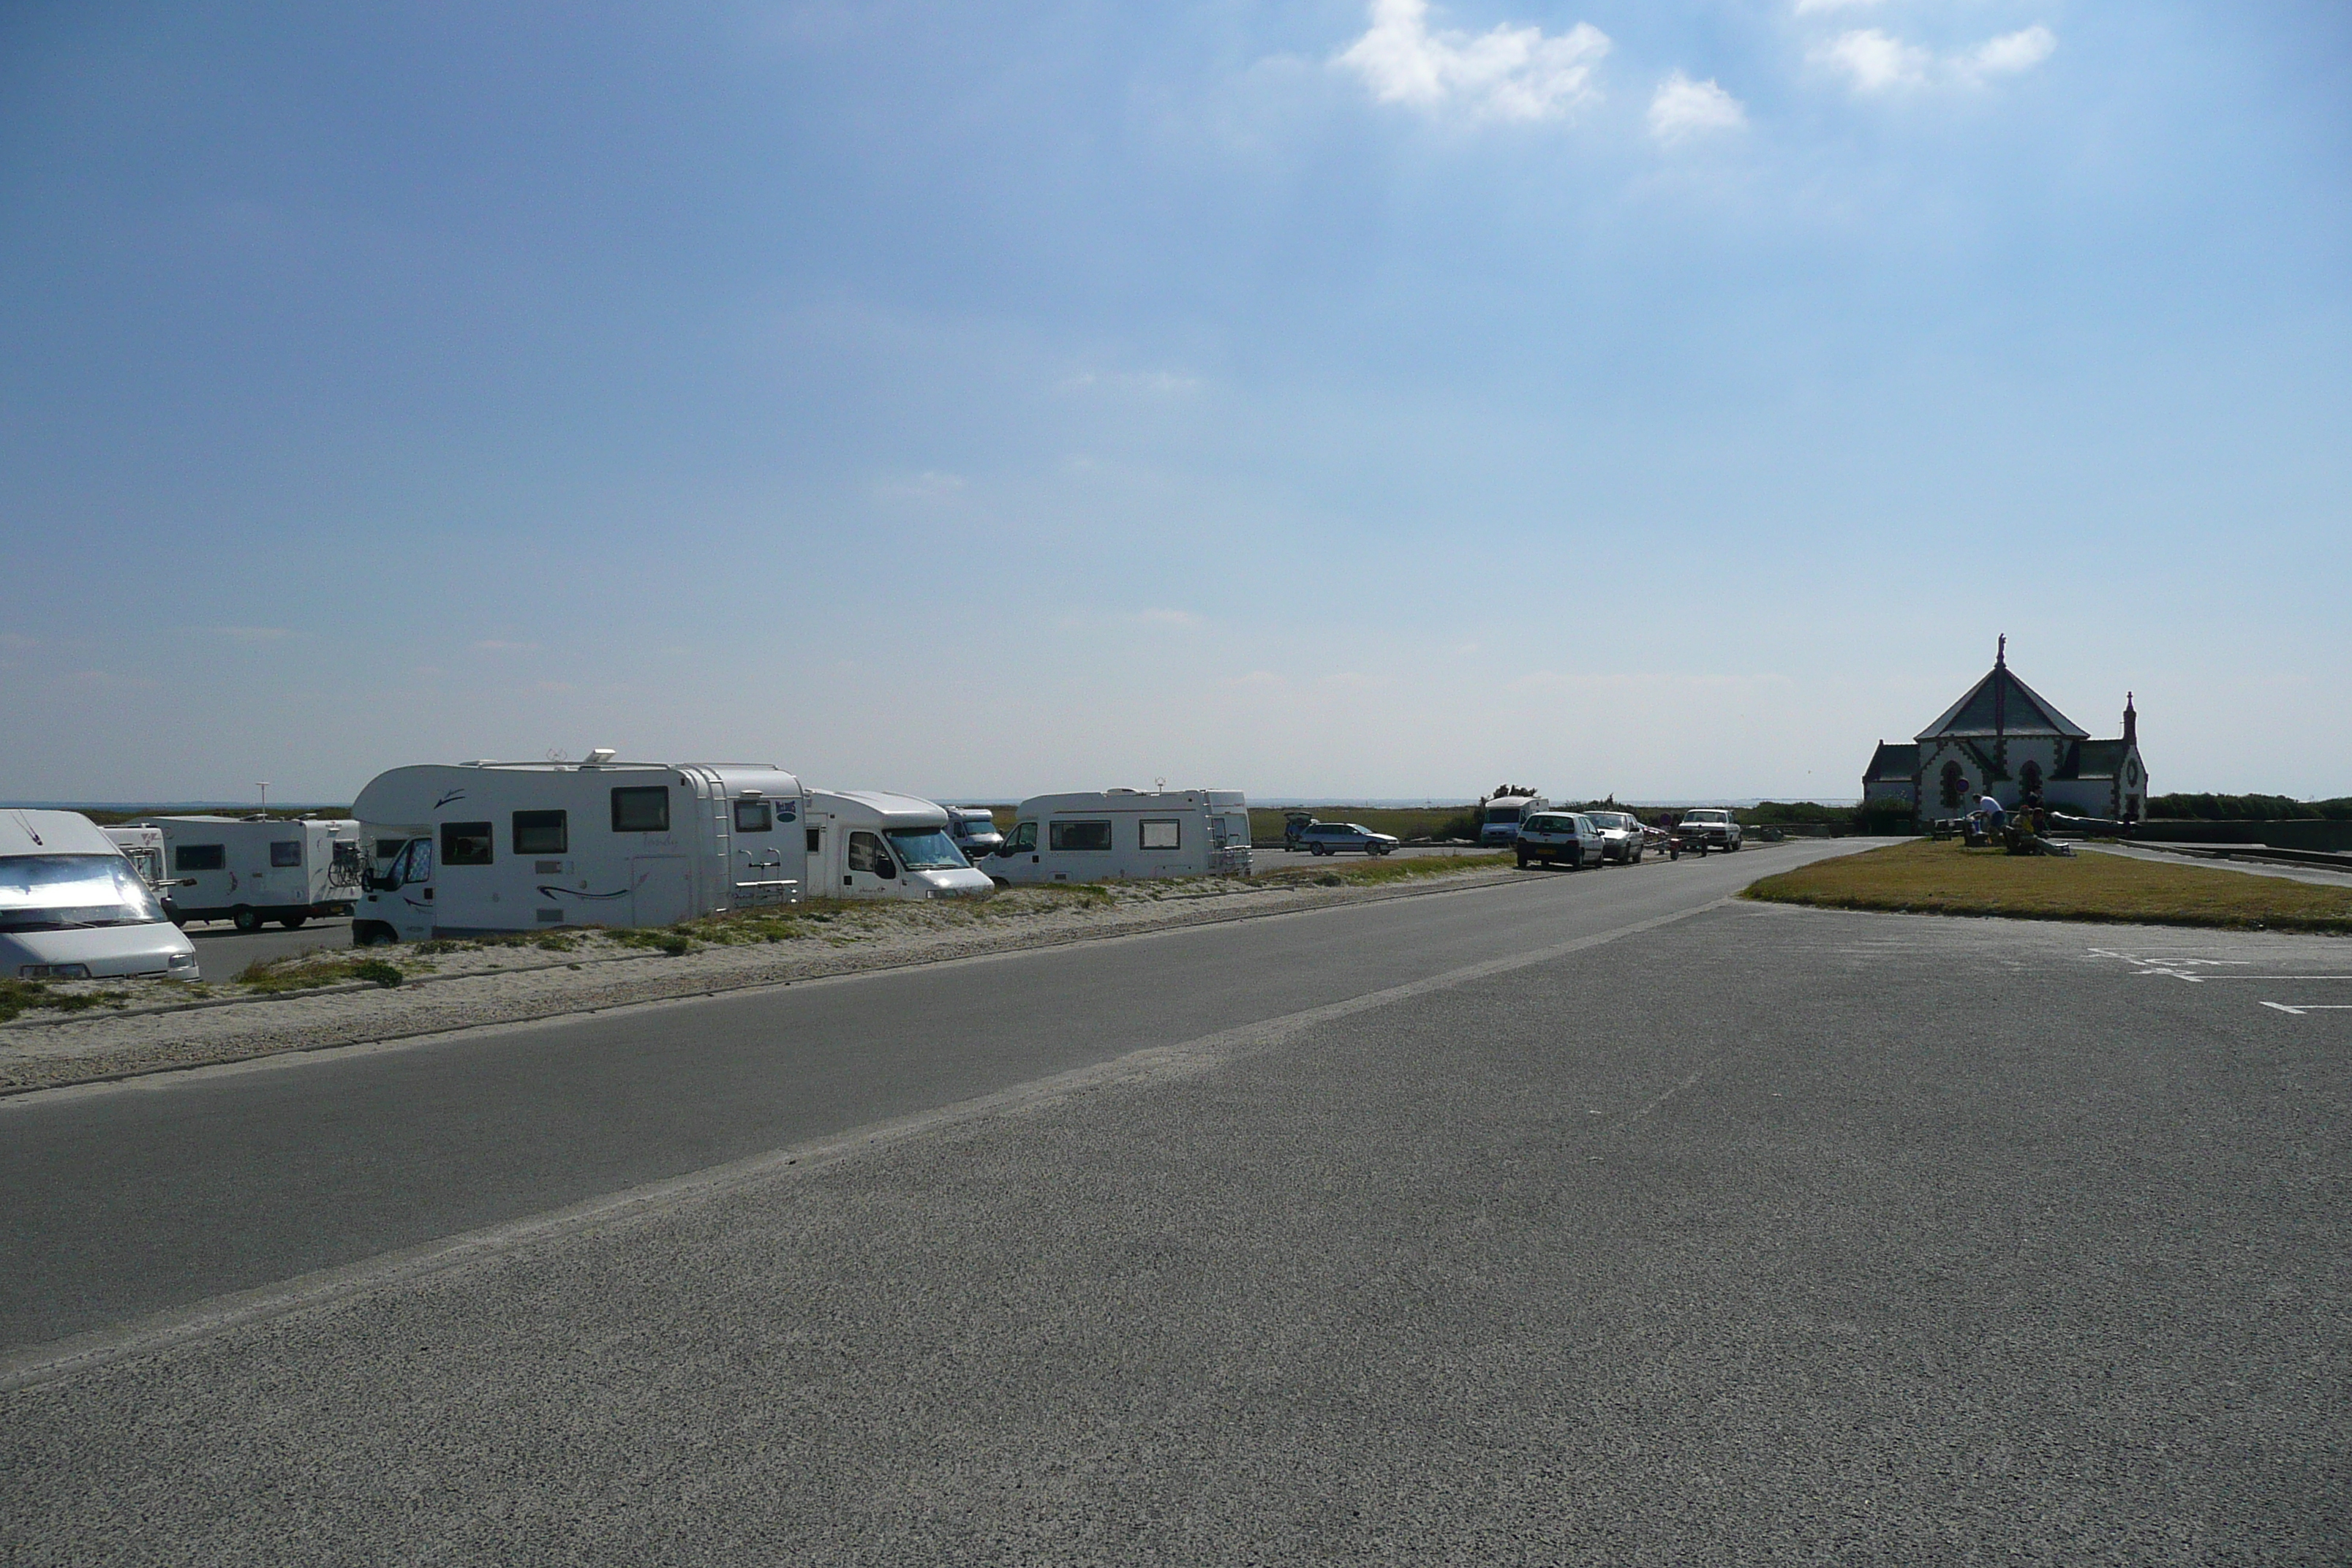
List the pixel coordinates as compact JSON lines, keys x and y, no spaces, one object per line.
{"x":223,"y":951}
{"x":1429,"y":1235}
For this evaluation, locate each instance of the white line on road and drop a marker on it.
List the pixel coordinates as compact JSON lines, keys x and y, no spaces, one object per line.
{"x":2312,"y":1007}
{"x":2210,"y":979}
{"x":204,"y":1319}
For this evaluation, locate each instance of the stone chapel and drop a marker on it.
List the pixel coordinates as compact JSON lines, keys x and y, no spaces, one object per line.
{"x":2004,"y":740}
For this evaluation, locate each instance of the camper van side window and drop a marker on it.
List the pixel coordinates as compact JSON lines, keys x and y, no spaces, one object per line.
{"x":285,"y":852}
{"x":1161,"y":832}
{"x":642,"y":810}
{"x":1079,"y":835}
{"x":753,"y":816}
{"x":1024,"y":838}
{"x":200,"y":857}
{"x":464,"y":844}
{"x":542,"y":832}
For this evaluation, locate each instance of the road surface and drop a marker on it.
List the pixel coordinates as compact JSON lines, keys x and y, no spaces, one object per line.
{"x":1589,"y":1219}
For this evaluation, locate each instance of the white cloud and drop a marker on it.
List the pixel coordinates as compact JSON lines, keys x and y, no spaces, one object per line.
{"x":2013,"y":52}
{"x":1807,"y":7}
{"x":1681,"y":108}
{"x":1510,"y":73}
{"x":1873,"y":60}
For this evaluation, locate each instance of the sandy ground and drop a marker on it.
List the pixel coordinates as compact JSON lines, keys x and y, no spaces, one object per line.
{"x":151,"y":1026}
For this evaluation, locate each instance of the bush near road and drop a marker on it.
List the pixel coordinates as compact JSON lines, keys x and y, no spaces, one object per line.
{"x":1932,"y":878}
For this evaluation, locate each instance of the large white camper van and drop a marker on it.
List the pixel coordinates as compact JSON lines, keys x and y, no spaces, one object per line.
{"x":72,"y":907}
{"x":867,"y":844}
{"x":1500,"y":814}
{"x":506,"y":847}
{"x":256,"y":869}
{"x":1113,"y":835}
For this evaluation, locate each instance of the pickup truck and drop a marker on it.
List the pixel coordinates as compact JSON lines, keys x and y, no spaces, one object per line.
{"x":1712,"y":823}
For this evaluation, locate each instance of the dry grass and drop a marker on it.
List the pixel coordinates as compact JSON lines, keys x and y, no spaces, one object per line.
{"x":1929,"y":878}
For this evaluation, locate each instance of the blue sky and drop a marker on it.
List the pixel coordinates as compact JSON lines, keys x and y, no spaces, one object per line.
{"x":1325,"y":400}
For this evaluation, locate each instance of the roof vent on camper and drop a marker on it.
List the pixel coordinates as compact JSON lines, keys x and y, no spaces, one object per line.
{"x":599,"y":757}
{"x":1122,"y":792}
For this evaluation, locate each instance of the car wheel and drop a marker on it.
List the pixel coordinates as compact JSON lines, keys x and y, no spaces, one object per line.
{"x":245,"y":918}
{"x":292,"y":922}
{"x":1523,"y":862}
{"x":1674,"y":851}
{"x":1319,"y":849}
{"x":1730,"y":846}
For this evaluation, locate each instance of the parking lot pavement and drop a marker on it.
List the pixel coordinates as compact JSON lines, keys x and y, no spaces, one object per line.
{"x":222,"y":950}
{"x":1765,"y":1233}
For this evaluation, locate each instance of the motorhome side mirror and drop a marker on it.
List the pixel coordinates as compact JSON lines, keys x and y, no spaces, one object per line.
{"x":367,"y":882}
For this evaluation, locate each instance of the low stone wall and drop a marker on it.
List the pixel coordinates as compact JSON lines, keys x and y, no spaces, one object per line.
{"x":2292,"y":833}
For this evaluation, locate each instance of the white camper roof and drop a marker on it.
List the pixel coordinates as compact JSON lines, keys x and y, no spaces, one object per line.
{"x":892,"y":810}
{"x":28,"y":832}
{"x":411,"y":794}
{"x":1133,"y":800}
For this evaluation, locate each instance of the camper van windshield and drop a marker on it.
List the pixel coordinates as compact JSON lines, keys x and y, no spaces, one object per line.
{"x":1502,"y":814}
{"x":50,"y":892}
{"x":926,"y":849}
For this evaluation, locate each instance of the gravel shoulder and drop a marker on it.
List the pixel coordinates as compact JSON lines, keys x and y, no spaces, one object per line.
{"x":142,"y":1028}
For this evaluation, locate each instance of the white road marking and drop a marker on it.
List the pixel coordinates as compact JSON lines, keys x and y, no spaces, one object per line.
{"x":2210,"y":979}
{"x":2312,"y":1007}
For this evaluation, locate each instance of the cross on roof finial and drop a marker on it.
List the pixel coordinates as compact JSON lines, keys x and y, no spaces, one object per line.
{"x":2001,"y":657}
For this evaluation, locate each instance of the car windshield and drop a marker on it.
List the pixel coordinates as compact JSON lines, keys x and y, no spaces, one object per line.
{"x":1706,"y":816}
{"x":51,"y":892}
{"x":926,"y":849}
{"x":1612,"y":819}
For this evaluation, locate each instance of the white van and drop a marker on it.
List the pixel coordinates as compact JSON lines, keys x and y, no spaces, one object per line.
{"x":72,"y":907}
{"x":974,"y":828}
{"x":143,"y":846}
{"x":1117,"y":834}
{"x":258,"y":869}
{"x":1501,"y":815}
{"x":867,"y":843}
{"x":475,"y":847}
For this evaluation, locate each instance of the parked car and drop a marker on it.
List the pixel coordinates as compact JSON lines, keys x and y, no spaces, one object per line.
{"x":1712,"y":823}
{"x":1556,"y":837}
{"x":1622,"y":836}
{"x":1337,"y":838}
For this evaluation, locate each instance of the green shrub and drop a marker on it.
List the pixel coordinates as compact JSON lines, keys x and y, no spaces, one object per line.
{"x":376,"y":969}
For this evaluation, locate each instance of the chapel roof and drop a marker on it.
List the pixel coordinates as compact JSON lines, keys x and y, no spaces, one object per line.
{"x":2002,"y":704}
{"x":1899,"y":761}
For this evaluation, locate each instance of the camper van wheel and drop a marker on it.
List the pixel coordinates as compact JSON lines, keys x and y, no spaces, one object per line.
{"x":292,"y":922}
{"x":1001,"y":885}
{"x":245,"y":918}
{"x":371,"y":933}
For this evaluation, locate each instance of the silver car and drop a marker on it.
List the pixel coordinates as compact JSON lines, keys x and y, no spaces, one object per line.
{"x":1622,"y":837}
{"x":1335,"y":838}
{"x":1559,"y":838}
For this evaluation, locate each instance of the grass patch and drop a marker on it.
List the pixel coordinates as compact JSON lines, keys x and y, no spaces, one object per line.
{"x":1928,"y":878}
{"x":18,"y":997}
{"x":1372,"y":871}
{"x":271,"y":977}
{"x":676,"y":940}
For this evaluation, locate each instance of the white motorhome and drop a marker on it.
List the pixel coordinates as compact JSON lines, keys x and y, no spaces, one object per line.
{"x":867,"y":843}
{"x":258,"y":869}
{"x":476,"y":847}
{"x":143,"y":846}
{"x":72,"y":907}
{"x":1500,"y":814}
{"x":1119,"y":834}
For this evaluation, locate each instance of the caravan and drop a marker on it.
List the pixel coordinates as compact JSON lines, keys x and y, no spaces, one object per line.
{"x":867,"y":844}
{"x":507,"y":847}
{"x":1114,"y":835}
{"x":255,"y":870}
{"x":1500,"y":814}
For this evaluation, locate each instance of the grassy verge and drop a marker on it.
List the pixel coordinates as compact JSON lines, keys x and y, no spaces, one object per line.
{"x":268,"y":977}
{"x":1947,"y":878}
{"x":18,"y":997}
{"x":1371,"y":873}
